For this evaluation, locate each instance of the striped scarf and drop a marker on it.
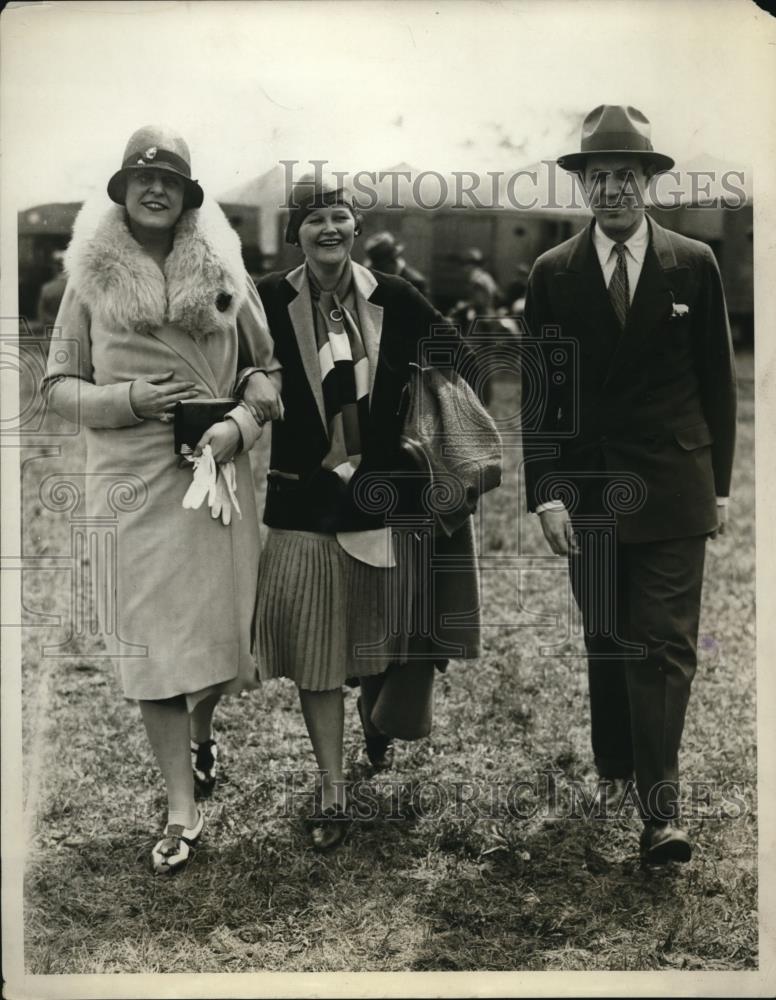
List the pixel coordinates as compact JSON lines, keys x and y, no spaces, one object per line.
{"x":344,"y":372}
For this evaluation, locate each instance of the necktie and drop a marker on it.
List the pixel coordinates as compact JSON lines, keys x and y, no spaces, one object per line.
{"x":618,"y":286}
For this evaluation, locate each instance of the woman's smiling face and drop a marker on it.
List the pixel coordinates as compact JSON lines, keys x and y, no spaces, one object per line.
{"x":154,"y":198}
{"x":326,"y":235}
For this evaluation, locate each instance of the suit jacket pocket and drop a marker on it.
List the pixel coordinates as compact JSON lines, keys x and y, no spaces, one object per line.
{"x":692,"y":437}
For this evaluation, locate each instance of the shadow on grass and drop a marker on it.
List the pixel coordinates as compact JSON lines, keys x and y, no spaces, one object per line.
{"x":420,"y":893}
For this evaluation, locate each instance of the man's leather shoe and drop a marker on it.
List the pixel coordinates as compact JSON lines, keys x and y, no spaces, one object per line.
{"x":663,"y":842}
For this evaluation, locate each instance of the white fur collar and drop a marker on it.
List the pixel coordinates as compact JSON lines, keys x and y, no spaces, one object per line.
{"x":204,"y":280}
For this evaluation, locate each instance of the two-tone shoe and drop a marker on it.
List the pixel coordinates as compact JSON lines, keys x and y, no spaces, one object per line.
{"x":172,"y":853}
{"x":204,"y":761}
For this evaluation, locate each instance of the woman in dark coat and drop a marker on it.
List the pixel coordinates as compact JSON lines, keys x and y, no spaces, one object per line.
{"x":329,"y":583}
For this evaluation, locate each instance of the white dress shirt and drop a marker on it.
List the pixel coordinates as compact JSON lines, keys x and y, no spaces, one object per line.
{"x":635,"y":252}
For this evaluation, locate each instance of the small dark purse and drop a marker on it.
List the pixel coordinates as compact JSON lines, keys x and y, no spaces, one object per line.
{"x":192,"y":417}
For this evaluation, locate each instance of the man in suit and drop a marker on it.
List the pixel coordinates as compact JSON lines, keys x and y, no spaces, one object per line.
{"x":628,"y":455}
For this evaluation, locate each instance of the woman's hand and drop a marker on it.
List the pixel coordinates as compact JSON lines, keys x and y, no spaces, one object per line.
{"x":224,"y":439}
{"x":153,"y":397}
{"x":262,"y":398}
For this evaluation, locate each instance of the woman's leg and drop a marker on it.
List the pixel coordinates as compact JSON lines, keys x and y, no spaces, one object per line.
{"x":324,"y":715}
{"x":167,"y":725}
{"x":204,"y":752}
{"x":202,"y":718}
{"x":370,"y":691}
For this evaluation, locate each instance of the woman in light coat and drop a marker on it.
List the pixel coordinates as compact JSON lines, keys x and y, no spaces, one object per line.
{"x":159,"y":308}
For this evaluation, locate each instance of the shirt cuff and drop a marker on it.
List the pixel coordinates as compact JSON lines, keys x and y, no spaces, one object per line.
{"x":723,"y":501}
{"x":550,"y":505}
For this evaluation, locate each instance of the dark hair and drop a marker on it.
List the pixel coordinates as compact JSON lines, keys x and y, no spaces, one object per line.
{"x":319,"y":200}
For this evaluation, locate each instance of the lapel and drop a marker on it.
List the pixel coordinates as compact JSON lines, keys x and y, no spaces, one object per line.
{"x":582,"y":284}
{"x":300,"y":311}
{"x":659,"y":284}
{"x":184,"y":345}
{"x":370,"y":316}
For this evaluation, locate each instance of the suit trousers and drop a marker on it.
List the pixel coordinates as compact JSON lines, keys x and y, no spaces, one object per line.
{"x":640,"y":607}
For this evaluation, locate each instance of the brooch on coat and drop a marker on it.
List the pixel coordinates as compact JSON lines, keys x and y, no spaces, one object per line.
{"x":678,"y":309}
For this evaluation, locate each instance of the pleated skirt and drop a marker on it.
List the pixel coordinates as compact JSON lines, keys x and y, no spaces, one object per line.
{"x":321,"y":615}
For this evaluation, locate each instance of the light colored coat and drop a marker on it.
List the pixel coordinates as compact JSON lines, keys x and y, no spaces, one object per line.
{"x":185,"y":584}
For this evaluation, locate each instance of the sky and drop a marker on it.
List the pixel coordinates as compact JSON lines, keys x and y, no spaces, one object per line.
{"x":458,"y":84}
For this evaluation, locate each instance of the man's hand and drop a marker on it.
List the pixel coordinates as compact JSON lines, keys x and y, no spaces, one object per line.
{"x":556,"y":525}
{"x":154,"y":397}
{"x":224,"y":439}
{"x":721,"y":519}
{"x":262,"y":398}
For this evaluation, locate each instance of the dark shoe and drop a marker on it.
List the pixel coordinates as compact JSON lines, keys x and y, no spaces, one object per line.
{"x":204,"y":757}
{"x":173,"y":851}
{"x":329,"y":828}
{"x":379,"y":749}
{"x":663,"y":842}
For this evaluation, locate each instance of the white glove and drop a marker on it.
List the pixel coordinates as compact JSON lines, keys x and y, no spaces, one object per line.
{"x":228,"y":473}
{"x":204,"y":482}
{"x":216,"y":482}
{"x":220,"y":505}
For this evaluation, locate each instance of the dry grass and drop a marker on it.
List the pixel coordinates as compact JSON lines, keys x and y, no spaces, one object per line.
{"x":414,"y":888}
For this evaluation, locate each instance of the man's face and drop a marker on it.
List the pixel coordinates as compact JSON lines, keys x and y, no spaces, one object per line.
{"x":616,"y":187}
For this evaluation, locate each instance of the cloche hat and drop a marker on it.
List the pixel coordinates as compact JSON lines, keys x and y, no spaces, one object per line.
{"x":615,"y":128}
{"x":314,"y":191}
{"x":158,"y":148}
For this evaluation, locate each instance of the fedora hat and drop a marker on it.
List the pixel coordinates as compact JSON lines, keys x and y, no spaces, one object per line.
{"x":157,"y":148}
{"x":615,"y":128}
{"x":382,"y":245}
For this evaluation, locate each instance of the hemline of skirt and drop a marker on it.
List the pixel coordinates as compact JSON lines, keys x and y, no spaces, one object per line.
{"x":316,"y":606}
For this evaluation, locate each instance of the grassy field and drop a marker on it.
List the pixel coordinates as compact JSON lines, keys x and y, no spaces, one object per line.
{"x":442,"y":877}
